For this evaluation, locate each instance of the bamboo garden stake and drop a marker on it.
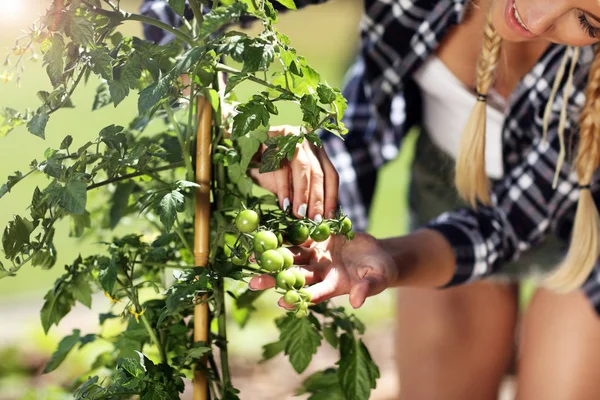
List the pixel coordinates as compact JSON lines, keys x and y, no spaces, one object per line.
{"x":202,"y":230}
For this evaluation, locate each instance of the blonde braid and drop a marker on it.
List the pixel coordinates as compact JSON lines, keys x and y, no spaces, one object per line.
{"x":471,"y":179}
{"x":584,"y":248}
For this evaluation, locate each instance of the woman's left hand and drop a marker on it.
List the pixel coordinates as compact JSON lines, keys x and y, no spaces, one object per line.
{"x":360,"y":268}
{"x":308,"y":183}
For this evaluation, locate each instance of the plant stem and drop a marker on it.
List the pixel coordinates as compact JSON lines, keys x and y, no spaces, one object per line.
{"x":152,"y":333}
{"x":230,"y":70}
{"x":222,"y":317}
{"x":225,"y":68}
{"x":127,"y":16}
{"x":181,"y":235}
{"x":135,"y":175}
{"x":165,"y":265}
{"x":68,"y":97}
{"x":182,"y":143}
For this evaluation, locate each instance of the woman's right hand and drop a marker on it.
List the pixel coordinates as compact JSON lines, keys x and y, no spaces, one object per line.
{"x":360,"y":268}
{"x":308,"y":183}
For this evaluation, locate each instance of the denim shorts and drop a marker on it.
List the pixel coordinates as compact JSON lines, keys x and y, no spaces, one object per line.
{"x":432,"y":193}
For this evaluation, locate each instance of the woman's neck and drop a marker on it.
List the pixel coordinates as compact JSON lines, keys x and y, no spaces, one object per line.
{"x":459,"y":51}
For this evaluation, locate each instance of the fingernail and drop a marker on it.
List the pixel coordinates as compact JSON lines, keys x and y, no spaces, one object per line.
{"x":251,"y":287}
{"x":286,"y":204}
{"x":302,"y":210}
{"x":331,"y":214}
{"x":318,"y":218}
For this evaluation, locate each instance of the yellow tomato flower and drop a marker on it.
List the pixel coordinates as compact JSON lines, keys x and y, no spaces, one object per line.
{"x":112,"y":299}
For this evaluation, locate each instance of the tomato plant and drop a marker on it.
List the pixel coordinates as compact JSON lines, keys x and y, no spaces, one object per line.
{"x":147,"y":170}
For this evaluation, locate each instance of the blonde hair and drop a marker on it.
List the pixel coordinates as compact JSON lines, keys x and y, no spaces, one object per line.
{"x":584,"y":248}
{"x":473,"y":184}
{"x":471,"y":180}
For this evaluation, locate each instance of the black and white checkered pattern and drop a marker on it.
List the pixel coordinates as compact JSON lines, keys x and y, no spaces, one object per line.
{"x":384,"y":103}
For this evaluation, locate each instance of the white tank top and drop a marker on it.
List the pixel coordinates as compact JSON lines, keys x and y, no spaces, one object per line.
{"x":447,"y":104}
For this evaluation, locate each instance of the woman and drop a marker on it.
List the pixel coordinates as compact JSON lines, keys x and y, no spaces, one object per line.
{"x":456,"y":343}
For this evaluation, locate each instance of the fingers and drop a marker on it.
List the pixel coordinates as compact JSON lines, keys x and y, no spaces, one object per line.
{"x":301,"y":172}
{"x":368,"y":286}
{"x":323,"y":290}
{"x":302,"y":255}
{"x":282,"y":183}
{"x":317,"y":185}
{"x":261,"y":282}
{"x":331,"y":184}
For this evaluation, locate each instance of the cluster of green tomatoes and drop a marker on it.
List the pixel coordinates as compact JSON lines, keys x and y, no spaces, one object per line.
{"x":272,"y":256}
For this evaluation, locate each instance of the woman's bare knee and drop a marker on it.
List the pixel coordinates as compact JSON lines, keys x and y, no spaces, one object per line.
{"x":560,"y":351}
{"x":455,"y":343}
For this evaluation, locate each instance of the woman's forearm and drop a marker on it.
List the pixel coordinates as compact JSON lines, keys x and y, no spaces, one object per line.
{"x":423,"y":258}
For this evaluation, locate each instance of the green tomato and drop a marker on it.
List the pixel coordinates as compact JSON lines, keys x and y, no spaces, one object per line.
{"x":285,"y":280}
{"x":303,"y":306}
{"x":305,"y":294}
{"x":320,"y":233}
{"x":247,"y":221}
{"x":291,"y":297}
{"x":271,"y":260}
{"x":300,"y":278}
{"x":298,"y":234}
{"x":346,"y":226}
{"x":240,"y":260}
{"x":350,"y":235}
{"x":288,"y":257}
{"x":301,"y":314}
{"x":265,"y":240}
{"x":279,"y":239}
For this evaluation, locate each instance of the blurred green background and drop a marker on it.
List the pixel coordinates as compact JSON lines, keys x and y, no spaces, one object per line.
{"x":327,"y":35}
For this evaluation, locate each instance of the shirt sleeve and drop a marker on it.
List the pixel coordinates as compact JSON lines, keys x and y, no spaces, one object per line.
{"x":526,"y":208}
{"x":367,"y":146}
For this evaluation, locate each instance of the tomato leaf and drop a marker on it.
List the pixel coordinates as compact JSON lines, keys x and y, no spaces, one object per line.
{"x":108,"y":274}
{"x":250,"y":116}
{"x":81,"y":30}
{"x":53,"y":58}
{"x":64,"y":348}
{"x":270,"y":350}
{"x":82,"y":291}
{"x":168,"y":206}
{"x":178,"y":6}
{"x":16,"y":236}
{"x":287,"y":3}
{"x":323,"y":385}
{"x":330,"y":334}
{"x":326,"y":93}
{"x":72,"y":197}
{"x":301,"y":340}
{"x":221,"y":16}
{"x":102,"y":97}
{"x":57,"y":305}
{"x":101,"y":62}
{"x":37,"y":125}
{"x":357,"y":372}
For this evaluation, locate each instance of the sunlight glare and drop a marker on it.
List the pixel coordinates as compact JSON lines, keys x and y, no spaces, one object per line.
{"x":11,"y":10}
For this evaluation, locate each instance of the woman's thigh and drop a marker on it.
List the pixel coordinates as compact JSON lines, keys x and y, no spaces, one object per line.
{"x":559,"y":357}
{"x":455,"y":343}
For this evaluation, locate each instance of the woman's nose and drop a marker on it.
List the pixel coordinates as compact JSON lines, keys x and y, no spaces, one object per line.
{"x":541,"y":16}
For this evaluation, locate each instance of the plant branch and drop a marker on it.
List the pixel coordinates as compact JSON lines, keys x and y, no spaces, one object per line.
{"x":158,"y":343}
{"x":127,"y":16}
{"x":182,"y":143}
{"x":68,"y":97}
{"x":135,"y":175}
{"x":230,"y":70}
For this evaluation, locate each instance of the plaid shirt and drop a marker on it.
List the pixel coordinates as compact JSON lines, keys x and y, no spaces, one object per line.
{"x":384,"y":104}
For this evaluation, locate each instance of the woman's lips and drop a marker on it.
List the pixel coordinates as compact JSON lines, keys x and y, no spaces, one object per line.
{"x":515,"y":22}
